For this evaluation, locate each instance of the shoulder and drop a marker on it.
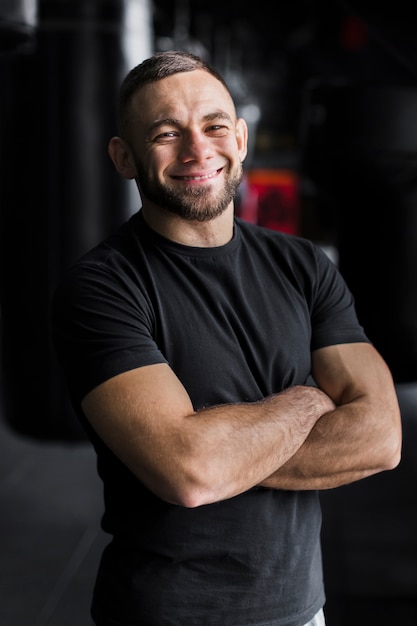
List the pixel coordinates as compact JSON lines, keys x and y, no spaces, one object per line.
{"x":111,"y":255}
{"x":286,"y":246}
{"x":110,"y":272}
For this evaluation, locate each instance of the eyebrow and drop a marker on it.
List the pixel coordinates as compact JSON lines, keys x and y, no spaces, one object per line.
{"x":173,"y":121}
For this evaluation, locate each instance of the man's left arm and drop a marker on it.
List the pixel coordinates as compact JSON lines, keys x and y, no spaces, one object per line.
{"x":361,"y":436}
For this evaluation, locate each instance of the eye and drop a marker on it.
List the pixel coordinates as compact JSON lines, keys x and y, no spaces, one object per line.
{"x":166,"y":136}
{"x":217,"y":129}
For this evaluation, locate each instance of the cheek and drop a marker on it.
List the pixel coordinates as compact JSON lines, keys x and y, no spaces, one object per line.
{"x":234,"y":147}
{"x":159,"y":159}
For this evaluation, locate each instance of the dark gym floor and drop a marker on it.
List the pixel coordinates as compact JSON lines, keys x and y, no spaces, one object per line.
{"x":50,"y":538}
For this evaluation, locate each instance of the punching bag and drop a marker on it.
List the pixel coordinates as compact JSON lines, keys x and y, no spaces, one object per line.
{"x":360,"y":150}
{"x":63,"y":194}
{"x":18,"y":21}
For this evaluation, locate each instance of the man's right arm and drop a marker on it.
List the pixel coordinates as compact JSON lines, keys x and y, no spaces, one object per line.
{"x":190,"y":458}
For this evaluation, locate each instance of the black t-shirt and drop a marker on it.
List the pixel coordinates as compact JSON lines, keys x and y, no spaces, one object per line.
{"x":235,"y":323}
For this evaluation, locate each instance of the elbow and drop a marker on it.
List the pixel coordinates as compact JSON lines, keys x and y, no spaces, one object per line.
{"x":178,"y":493}
{"x":393,"y":460}
{"x":190,"y":479}
{"x":201,"y":479}
{"x":201,"y":487}
{"x":191,"y":499}
{"x":190,"y":490}
{"x":189,"y":496}
{"x":393,"y":450}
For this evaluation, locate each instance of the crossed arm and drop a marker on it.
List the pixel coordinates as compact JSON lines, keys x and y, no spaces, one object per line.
{"x":346,"y":428}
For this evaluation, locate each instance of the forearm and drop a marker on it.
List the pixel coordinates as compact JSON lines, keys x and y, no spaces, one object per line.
{"x":189,"y":457}
{"x":341,"y":448}
{"x":243,"y":444}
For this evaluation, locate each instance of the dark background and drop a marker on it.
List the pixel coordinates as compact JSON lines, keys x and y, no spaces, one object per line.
{"x":329,"y":89}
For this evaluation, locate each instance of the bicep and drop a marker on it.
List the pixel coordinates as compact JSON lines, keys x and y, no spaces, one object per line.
{"x":348,"y":371}
{"x":138,"y":415}
{"x":359,"y":381}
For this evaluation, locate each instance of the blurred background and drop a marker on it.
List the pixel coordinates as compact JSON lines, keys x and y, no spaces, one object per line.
{"x":329,"y":90}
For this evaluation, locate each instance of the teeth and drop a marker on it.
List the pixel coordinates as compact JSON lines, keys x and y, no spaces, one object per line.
{"x":199,"y":177}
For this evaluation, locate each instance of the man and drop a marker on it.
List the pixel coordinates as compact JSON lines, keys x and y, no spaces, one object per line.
{"x":221,"y":373}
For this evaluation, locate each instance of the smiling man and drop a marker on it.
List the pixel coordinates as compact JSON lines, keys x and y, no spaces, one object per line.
{"x":189,"y":340}
{"x":182,"y":143}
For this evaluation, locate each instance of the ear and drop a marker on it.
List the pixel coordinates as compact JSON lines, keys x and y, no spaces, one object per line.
{"x":242,"y":138}
{"x":121,"y":155}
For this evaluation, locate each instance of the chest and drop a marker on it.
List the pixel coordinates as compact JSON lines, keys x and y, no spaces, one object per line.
{"x":231,"y":332}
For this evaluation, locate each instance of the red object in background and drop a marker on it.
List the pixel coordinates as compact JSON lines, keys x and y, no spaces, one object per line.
{"x":269,"y":197}
{"x":353,"y":34}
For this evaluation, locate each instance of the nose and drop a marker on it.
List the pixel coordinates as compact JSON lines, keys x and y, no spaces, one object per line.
{"x":195,"y":146}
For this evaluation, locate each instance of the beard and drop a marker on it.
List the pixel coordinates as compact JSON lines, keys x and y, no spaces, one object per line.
{"x":190,"y":203}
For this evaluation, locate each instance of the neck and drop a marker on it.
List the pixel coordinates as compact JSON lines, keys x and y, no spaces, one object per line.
{"x":209,"y":234}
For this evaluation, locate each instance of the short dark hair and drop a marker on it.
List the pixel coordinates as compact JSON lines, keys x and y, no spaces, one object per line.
{"x":158,"y":66}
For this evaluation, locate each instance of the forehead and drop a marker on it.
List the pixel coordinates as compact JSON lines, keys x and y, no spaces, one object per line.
{"x":183,"y":95}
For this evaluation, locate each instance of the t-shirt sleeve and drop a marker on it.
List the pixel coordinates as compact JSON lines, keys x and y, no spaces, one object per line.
{"x":102,"y":325}
{"x":333,"y":315}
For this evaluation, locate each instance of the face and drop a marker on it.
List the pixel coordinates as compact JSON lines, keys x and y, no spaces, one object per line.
{"x":187,"y":146}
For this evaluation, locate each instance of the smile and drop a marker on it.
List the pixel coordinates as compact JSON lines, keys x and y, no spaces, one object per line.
{"x":203,"y":177}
